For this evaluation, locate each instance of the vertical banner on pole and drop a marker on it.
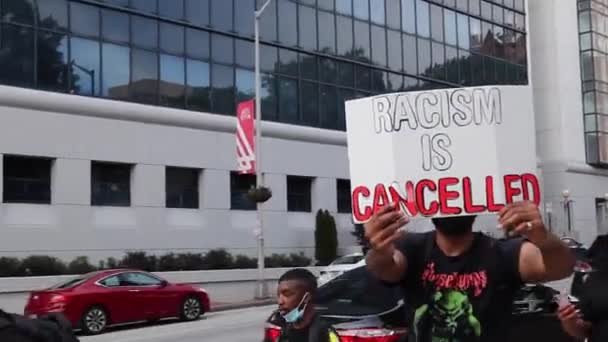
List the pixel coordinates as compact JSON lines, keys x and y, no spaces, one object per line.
{"x":245,"y":137}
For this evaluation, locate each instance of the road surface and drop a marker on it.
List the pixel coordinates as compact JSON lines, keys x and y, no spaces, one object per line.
{"x":243,"y":325}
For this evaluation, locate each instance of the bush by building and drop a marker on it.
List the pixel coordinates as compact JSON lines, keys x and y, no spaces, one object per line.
{"x":217,"y":259}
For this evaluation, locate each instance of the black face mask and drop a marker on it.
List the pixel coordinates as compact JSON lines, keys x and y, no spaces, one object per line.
{"x":454,"y":226}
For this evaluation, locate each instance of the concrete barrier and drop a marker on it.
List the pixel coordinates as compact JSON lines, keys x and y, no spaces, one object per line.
{"x":223,"y":286}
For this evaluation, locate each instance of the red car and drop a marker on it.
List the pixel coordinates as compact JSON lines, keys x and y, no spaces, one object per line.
{"x":94,"y":301}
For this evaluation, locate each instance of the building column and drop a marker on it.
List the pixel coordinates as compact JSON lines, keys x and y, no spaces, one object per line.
{"x":324,"y":194}
{"x":71,"y":182}
{"x":148,"y":186}
{"x":214,"y":189}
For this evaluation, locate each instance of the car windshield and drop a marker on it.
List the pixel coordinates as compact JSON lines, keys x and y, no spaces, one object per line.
{"x":348,"y":294}
{"x":347,"y":260}
{"x":72,"y":282}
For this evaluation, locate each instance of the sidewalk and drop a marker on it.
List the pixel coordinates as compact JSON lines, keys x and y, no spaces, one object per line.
{"x":218,"y":306}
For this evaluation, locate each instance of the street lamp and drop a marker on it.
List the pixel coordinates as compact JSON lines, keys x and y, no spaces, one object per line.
{"x":261,"y":288}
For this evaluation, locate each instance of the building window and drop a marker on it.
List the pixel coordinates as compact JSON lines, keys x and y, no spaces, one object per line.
{"x":344,"y":199}
{"x":27,"y":180}
{"x":181,"y":186}
{"x":239,"y":185}
{"x":111,"y":184}
{"x":299,"y":194}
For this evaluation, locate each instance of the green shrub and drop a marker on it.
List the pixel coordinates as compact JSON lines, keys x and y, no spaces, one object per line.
{"x":298,"y":260}
{"x":243,"y":261}
{"x":218,"y":259}
{"x":190,"y":261}
{"x":139,"y":260}
{"x":326,"y":238}
{"x":42,"y":265}
{"x":80,"y":265}
{"x":10,"y":267}
{"x":112,"y":263}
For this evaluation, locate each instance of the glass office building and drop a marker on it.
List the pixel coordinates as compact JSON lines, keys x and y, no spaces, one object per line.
{"x":198,"y":54}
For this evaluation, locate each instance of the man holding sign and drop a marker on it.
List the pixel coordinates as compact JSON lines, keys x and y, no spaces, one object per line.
{"x":452,"y":155}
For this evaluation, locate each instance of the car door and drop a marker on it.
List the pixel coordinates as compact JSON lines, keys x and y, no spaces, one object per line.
{"x":151,"y":297}
{"x":120,"y":299}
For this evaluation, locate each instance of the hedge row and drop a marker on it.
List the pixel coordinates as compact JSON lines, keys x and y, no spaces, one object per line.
{"x":217,"y":259}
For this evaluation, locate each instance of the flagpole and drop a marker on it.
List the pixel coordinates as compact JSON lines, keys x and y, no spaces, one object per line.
{"x":261,"y":288}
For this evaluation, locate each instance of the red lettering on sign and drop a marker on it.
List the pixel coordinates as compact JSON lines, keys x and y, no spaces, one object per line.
{"x":467,"y":192}
{"x":445,"y":195}
{"x":420,"y":202}
{"x":359,"y":215}
{"x":510,"y":191}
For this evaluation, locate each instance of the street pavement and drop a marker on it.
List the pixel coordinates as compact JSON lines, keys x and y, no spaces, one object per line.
{"x":242,"y":325}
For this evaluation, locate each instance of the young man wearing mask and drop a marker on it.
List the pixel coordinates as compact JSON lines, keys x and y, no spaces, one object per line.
{"x":299,"y":321}
{"x":461,"y":284}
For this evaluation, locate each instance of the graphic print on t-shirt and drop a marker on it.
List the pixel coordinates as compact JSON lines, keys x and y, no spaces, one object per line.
{"x":448,"y":315}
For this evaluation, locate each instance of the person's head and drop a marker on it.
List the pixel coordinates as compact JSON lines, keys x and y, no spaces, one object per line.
{"x":296,"y":289}
{"x":456,"y":226}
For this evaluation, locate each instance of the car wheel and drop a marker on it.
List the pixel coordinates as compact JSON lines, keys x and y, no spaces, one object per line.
{"x":94,"y":321}
{"x":191,"y":309}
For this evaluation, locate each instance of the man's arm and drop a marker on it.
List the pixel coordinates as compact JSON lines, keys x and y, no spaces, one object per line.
{"x":384,"y":260}
{"x":544,"y":257}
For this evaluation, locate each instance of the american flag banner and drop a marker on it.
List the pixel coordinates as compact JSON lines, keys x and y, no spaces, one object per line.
{"x":245,"y":138}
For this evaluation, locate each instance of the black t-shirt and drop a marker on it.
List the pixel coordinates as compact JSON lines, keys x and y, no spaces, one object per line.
{"x":594,"y":304}
{"x":317,"y":329}
{"x":467,"y":298}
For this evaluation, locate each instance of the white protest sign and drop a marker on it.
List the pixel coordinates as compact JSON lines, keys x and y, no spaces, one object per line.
{"x":447,"y":152}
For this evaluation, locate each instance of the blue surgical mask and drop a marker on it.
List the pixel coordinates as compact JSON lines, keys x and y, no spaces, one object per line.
{"x":297,"y":313}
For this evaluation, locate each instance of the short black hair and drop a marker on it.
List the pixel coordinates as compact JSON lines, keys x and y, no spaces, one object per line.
{"x":454,"y":221}
{"x":303,"y":276}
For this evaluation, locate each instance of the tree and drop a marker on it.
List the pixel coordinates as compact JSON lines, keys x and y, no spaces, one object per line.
{"x":359,"y":233}
{"x":326,"y":238}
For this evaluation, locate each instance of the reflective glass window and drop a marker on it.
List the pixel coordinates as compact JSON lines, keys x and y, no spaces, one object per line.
{"x":181,"y":188}
{"x":422,"y":18}
{"x":379,"y":81}
{"x":520,"y":22}
{"x":486,"y":10}
{"x":362,"y":41}
{"x":464,"y":66}
{"x":288,"y":62}
{"x":244,"y":18}
{"x":288,"y":100}
{"x":85,"y":66}
{"x":361,"y":9}
{"x":173,"y":9}
{"x":344,"y":95}
{"x":410,"y":58}
{"x":239,"y":186}
{"x":52,"y":67}
{"x":116,"y":71}
{"x":393,"y":14}
{"x":288,"y":19}
{"x":449,"y":22}
{"x":17,"y":55}
{"x":451,"y":62}
{"x":122,"y":3}
{"x":197,"y":43}
{"x":328,"y":107}
{"x":221,"y":49}
{"x":197,"y":80}
{"x":497,"y":14}
{"x":437,"y":23}
{"x":462,"y":5}
{"x":222,"y":95}
{"x":486,"y":34}
{"x":269,"y":97}
{"x":439,"y":69}
{"x":145,"y":5}
{"x":424,"y":56}
{"x":53,"y":14}
{"x":345,"y":35}
{"x":520,"y":5}
{"x":344,"y":6}
{"x":394,"y":50}
{"x":463,"y":31}
{"x":308,"y":66}
{"x":476,"y":69}
{"x":474,"y":7}
{"x":363,"y":77}
{"x":327,"y":28}
{"x":144,"y":32}
{"x":309,"y":2}
{"x":308,"y":27}
{"x":377,"y":11}
{"x":245,"y":85}
{"x":309,"y":95}
{"x":172,"y":38}
{"x":244,"y":53}
{"x":84,"y":19}
{"x":326,"y":4}
{"x":408,"y":16}
{"x":172,"y":80}
{"x":144,"y":75}
{"x":18,"y":11}
{"x":221,"y":14}
{"x":197,"y":12}
{"x":394,"y":82}
{"x":379,"y":45}
{"x":476,"y":35}
{"x":327,"y":70}
{"x":115,"y":26}
{"x":268,"y":22}
{"x":269,"y":57}
{"x":489,"y":70}
{"x":509,"y":18}
{"x":346,"y":74}
{"x":499,"y":49}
